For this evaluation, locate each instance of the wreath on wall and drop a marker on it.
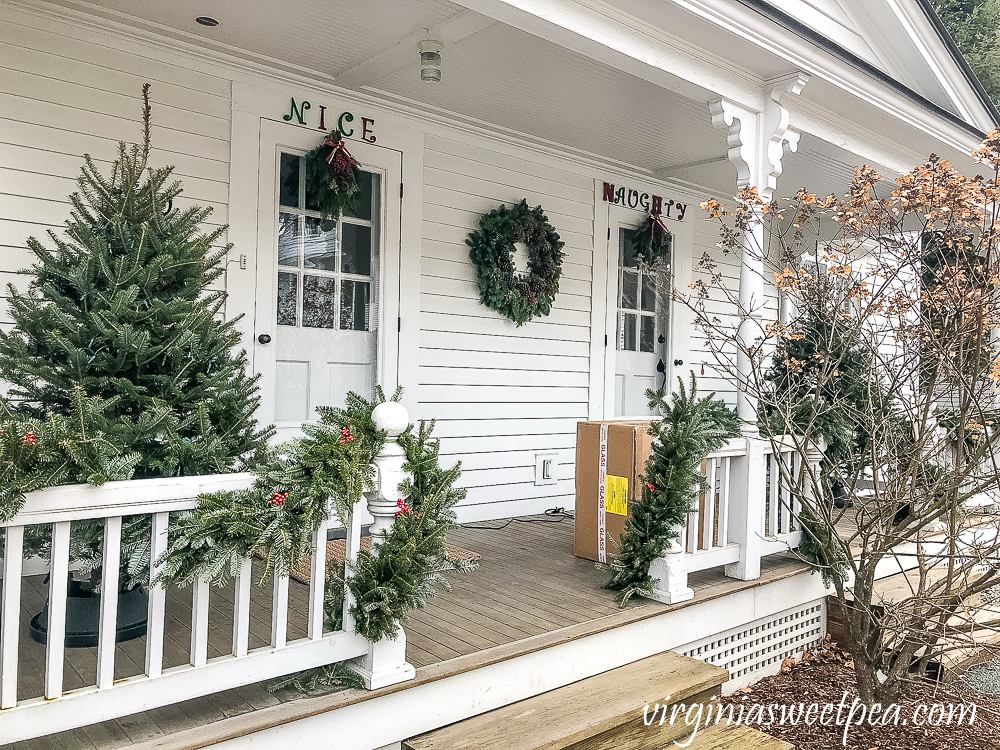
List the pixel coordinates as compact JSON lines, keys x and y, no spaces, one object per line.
{"x":333,"y":177}
{"x":514,"y":295}
{"x":652,"y":241}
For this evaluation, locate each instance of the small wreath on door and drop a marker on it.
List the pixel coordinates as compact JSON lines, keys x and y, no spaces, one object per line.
{"x":652,"y":241}
{"x":333,"y":177}
{"x":518,"y":296}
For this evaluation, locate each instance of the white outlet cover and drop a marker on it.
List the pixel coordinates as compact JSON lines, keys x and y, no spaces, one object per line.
{"x":540,"y":459}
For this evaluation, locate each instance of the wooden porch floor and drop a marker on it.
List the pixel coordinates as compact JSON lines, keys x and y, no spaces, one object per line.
{"x":528,"y":584}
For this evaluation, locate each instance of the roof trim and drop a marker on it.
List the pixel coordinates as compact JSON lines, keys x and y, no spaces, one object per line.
{"x":949,"y":42}
{"x":798,"y":28}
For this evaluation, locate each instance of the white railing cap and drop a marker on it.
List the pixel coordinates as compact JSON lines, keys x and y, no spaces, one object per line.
{"x":74,"y":502}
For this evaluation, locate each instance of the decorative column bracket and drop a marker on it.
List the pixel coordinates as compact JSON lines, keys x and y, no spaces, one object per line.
{"x":385,"y":663}
{"x":757,"y":142}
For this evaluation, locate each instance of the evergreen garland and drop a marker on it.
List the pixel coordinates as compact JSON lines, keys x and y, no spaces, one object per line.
{"x":652,"y":241}
{"x":333,"y":177}
{"x":691,"y":429}
{"x":276,"y":518}
{"x":81,"y":447}
{"x":820,"y":547}
{"x":519,"y":297}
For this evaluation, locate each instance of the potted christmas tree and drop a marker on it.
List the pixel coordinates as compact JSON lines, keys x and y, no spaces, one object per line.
{"x":119,"y":322}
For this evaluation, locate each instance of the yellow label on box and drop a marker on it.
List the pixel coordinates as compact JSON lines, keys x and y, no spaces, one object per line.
{"x":616,"y":495}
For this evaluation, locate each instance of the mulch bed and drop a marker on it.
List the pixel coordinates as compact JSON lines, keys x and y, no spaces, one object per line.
{"x":826,"y":673}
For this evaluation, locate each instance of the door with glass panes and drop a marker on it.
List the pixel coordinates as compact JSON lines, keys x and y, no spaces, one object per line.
{"x":642,"y":324}
{"x":324,"y":281}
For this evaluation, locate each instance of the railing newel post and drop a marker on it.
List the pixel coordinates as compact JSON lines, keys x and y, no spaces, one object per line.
{"x":385,"y":663}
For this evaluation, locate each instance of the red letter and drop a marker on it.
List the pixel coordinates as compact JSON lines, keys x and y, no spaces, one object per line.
{"x":366,"y":134}
{"x":322,"y":117}
{"x":609,"y":192}
{"x":657,"y":205}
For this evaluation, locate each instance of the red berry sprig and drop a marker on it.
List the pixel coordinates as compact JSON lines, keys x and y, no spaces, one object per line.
{"x":29,"y":438}
{"x":345,"y":435}
{"x":650,"y":487}
{"x":403,"y":507}
{"x":278,"y":500}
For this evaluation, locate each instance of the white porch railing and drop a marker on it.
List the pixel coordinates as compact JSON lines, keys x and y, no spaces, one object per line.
{"x":57,"y":710}
{"x":748,"y":512}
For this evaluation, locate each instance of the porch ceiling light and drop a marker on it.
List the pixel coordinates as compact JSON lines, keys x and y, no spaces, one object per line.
{"x":430,"y":60}
{"x":206,"y":21}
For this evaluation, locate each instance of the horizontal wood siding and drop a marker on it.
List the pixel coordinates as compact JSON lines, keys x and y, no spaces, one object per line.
{"x":65,"y":93}
{"x":501,"y":393}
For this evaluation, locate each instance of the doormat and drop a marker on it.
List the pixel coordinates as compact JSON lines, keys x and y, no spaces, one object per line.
{"x":336,"y":551}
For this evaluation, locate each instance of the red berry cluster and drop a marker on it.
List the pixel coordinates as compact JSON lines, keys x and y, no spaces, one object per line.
{"x":651,"y":487}
{"x":278,"y":500}
{"x":345,"y":435}
{"x":403,"y":507}
{"x":29,"y":438}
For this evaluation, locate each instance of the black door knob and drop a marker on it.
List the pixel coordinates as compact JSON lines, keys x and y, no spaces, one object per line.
{"x":264,"y":338}
{"x":661,"y":366}
{"x":678,"y":362}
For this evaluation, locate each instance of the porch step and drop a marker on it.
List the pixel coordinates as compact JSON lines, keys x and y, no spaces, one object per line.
{"x":734,"y":737}
{"x":604,"y":712}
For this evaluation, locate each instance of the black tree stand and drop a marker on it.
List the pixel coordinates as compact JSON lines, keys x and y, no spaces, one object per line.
{"x":83,"y":616}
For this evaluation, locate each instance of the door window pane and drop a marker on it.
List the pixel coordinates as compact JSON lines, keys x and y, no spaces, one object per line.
{"x":648,"y":294}
{"x":354,"y":305}
{"x":357,"y":249}
{"x":626,"y":332}
{"x":319,"y":247}
{"x":288,"y":240}
{"x":289,"y":180}
{"x":363,"y":208}
{"x":319,"y":302}
{"x":626,"y":256}
{"x":647,"y":326}
{"x":287,"y":294}
{"x":630,"y":289}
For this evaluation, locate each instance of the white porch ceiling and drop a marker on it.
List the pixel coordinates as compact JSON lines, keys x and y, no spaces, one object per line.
{"x":492,"y":72}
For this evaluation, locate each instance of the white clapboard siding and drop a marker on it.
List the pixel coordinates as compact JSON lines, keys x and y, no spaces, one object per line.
{"x":65,"y":93}
{"x":501,"y":393}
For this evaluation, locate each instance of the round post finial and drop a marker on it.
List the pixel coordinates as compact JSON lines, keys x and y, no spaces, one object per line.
{"x":391,"y":416}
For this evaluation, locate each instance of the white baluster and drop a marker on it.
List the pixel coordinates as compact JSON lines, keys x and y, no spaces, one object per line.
{"x":55,"y":636}
{"x":317,"y":580}
{"x":157,"y":610}
{"x":241,"y":610}
{"x":385,"y":663}
{"x":10,"y":614}
{"x":107,"y":632}
{"x":279,"y":611}
{"x":200,"y":603}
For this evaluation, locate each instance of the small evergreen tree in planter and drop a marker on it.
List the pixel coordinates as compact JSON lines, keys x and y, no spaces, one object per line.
{"x":119,"y":312}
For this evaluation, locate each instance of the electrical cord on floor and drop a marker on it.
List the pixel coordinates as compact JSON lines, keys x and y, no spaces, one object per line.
{"x":555,"y":515}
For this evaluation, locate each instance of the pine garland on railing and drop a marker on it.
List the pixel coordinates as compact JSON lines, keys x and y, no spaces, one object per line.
{"x":275,"y":519}
{"x":691,"y":429}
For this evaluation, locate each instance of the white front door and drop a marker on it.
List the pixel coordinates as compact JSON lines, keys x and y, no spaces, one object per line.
{"x":319,"y":283}
{"x":642,"y":305}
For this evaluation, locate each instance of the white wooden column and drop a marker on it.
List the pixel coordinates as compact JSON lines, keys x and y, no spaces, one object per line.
{"x":757,"y":143}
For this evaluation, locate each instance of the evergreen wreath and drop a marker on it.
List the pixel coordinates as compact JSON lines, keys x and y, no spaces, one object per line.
{"x":652,"y":241}
{"x":333,"y":177}
{"x":519,"y":297}
{"x":691,"y":429}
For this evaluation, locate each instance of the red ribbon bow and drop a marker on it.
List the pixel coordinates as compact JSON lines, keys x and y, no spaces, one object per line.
{"x":337,"y":144}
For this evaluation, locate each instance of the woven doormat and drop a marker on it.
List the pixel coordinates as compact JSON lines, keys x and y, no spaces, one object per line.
{"x":336,"y":551}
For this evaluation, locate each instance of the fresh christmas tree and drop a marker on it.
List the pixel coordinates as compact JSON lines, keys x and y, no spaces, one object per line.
{"x":121,"y":308}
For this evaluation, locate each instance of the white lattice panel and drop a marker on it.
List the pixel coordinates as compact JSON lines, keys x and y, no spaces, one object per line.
{"x":762,"y":643}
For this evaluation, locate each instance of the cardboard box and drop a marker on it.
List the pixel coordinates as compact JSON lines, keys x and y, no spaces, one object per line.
{"x":626,"y":448}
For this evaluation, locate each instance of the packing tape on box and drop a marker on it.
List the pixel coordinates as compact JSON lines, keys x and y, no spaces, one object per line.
{"x":602,"y":473}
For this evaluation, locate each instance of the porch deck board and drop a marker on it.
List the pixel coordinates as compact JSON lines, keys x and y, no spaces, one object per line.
{"x":528,"y":583}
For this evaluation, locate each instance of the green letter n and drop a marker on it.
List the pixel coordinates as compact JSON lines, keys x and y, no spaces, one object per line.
{"x":297,"y":112}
